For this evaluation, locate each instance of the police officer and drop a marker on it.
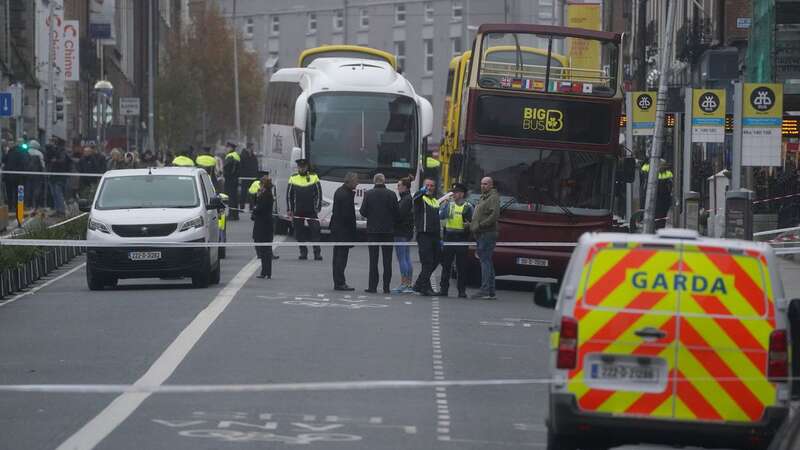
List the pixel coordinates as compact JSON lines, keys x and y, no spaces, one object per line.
{"x":183,"y":160}
{"x":252,"y":192}
{"x":428,"y":226}
{"x":456,"y":214}
{"x":209,"y":163}
{"x":303,"y":203}
{"x":230,"y":169}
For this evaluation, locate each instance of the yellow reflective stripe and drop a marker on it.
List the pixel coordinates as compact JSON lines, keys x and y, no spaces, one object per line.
{"x":300,"y":180}
{"x":233,"y":155}
{"x":254,"y":187}
{"x":432,"y":202}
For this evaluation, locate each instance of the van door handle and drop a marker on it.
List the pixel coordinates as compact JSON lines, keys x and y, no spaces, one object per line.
{"x":651,"y":333}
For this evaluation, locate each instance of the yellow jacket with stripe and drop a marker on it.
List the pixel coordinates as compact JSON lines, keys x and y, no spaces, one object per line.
{"x":304,"y":195}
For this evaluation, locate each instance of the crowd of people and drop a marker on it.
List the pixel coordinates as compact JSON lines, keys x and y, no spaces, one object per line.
{"x":445,"y":227}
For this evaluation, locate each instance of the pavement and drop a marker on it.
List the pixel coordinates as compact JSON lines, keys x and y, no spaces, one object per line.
{"x":291,"y":329}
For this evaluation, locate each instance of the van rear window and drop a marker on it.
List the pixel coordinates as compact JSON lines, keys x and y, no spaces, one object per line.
{"x":696,"y":281}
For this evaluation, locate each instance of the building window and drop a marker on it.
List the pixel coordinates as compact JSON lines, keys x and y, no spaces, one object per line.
{"x":428,"y":11}
{"x":545,"y":14}
{"x":364,"y":18}
{"x":428,"y":45}
{"x":312,"y":22}
{"x":400,"y":14}
{"x":338,"y":20}
{"x":400,"y":54}
{"x":249,"y":27}
{"x":455,"y":45}
{"x":276,"y":25}
{"x":458,"y":10}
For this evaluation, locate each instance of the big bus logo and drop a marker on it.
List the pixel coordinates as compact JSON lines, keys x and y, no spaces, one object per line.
{"x":762,"y":99}
{"x":644,"y":101}
{"x":540,"y":119}
{"x":708,"y":102}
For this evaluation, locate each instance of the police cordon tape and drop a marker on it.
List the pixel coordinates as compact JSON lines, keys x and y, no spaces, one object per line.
{"x":316,"y":386}
{"x":171,"y":244}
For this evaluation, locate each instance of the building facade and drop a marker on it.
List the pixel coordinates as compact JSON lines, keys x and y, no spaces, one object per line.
{"x":424,"y":35}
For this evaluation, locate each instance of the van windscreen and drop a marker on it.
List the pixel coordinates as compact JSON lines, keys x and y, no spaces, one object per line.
{"x":148,"y":191}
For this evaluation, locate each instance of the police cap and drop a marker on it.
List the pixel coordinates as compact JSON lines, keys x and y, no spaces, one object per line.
{"x":460,"y":187}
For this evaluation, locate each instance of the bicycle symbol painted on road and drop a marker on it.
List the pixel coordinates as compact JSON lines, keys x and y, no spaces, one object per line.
{"x":321,"y":301}
{"x":262,"y":436}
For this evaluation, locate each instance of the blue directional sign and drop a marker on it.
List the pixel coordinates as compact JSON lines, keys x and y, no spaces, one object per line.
{"x":6,"y":104}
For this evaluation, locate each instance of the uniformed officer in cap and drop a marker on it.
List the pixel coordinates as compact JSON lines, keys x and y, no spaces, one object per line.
{"x":303,"y":203}
{"x":231,"y":169}
{"x":456,"y":214}
{"x":252,"y":192}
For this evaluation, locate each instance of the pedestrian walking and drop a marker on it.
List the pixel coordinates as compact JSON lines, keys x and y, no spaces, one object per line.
{"x":303,"y":203}
{"x":58,"y":161}
{"x":262,"y":225}
{"x":456,"y":214}
{"x":428,"y":225}
{"x":343,"y":228}
{"x":484,"y":228}
{"x":404,"y":233}
{"x":380,"y":209}
{"x":35,"y":185}
{"x":231,"y":169}
{"x":249,"y":170}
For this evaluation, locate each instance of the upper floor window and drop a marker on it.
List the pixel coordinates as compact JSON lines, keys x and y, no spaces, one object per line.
{"x":428,"y":45}
{"x":249,"y":27}
{"x":364,"y":18}
{"x":428,"y":11}
{"x":338,"y":20}
{"x":275,"y":26}
{"x":458,"y":10}
{"x":312,"y":22}
{"x":400,"y":14}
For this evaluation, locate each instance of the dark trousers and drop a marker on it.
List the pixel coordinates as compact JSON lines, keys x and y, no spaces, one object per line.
{"x":265,"y":255}
{"x":340,"y":253}
{"x":233,"y":199}
{"x":386,"y":250}
{"x":245,"y":198}
{"x":11,"y":192}
{"x":458,"y":254}
{"x":429,"y":246}
{"x":304,"y":233}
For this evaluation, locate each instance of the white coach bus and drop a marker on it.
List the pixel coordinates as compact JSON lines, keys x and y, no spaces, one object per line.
{"x":343,"y":115}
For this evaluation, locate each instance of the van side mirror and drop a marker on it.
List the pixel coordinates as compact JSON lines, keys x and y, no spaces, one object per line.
{"x":544,"y":295}
{"x":628,"y":172}
{"x":84,"y":205}
{"x":215,"y":203}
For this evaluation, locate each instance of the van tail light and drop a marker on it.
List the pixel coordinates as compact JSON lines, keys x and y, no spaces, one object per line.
{"x":567,"y":357}
{"x":778,"y":364}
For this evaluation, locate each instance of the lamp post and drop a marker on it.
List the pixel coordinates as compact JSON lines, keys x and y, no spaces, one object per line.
{"x":104,"y":91}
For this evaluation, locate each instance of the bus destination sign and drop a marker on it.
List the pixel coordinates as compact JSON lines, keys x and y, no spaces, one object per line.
{"x":543,"y":119}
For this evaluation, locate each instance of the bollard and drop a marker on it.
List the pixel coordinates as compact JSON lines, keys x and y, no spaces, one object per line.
{"x":691,"y":206}
{"x":739,"y":214}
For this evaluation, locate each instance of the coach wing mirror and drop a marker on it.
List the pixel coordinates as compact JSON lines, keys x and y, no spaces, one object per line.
{"x":297,"y":153}
{"x":628,"y":172}
{"x":301,"y":112}
{"x":426,"y":117}
{"x":84,"y":205}
{"x":545,"y":295}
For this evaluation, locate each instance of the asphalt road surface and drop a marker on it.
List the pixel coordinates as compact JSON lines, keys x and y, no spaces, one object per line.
{"x":291,"y":329}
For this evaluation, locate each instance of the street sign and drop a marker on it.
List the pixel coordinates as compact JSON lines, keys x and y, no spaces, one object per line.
{"x":643,"y":119}
{"x":708,"y":115}
{"x":6,"y":104}
{"x":762,"y":111}
{"x":129,"y":106}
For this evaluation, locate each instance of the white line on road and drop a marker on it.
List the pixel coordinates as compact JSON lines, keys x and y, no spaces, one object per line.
{"x":123,"y":406}
{"x":42,"y":286}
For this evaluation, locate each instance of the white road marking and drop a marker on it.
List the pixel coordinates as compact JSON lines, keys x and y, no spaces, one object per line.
{"x":91,"y":434}
{"x":43,"y":285}
{"x":440,"y":396}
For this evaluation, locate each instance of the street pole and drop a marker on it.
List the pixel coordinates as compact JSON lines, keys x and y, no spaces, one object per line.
{"x":150,"y":80}
{"x":236,"y":75}
{"x":736,"y":163}
{"x":658,"y":139}
{"x":48,"y":123}
{"x":344,"y":21}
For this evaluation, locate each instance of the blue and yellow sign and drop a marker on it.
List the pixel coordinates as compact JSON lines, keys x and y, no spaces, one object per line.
{"x":708,"y":115}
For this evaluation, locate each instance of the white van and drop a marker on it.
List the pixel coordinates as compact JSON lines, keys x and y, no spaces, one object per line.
{"x":171,"y":204}
{"x":669,"y":339}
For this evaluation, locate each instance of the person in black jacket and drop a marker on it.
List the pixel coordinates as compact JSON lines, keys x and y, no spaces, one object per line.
{"x":17,"y":159}
{"x":380,"y":209}
{"x":262,"y":226}
{"x":343,"y":228}
{"x":303,"y":202}
{"x":230,"y":169}
{"x":404,"y":232}
{"x":248,"y":169}
{"x":428,"y":225}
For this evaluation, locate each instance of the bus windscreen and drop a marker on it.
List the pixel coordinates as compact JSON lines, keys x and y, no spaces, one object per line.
{"x":543,"y":119}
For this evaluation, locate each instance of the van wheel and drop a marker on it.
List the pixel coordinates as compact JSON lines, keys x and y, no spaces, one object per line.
{"x":202,"y":278}
{"x":215,"y":274}
{"x":560,"y":442}
{"x":111,"y":282}
{"x":93,"y":280}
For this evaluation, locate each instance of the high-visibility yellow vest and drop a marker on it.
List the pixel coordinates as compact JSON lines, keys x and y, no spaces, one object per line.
{"x":431,"y":201}
{"x":432,"y":163}
{"x":233,"y":155}
{"x":303,"y":180}
{"x":665,"y":175}
{"x":183,"y":161}
{"x":254,"y":187}
{"x":455,"y":217}
{"x":206,"y":161}
{"x":646,"y":167}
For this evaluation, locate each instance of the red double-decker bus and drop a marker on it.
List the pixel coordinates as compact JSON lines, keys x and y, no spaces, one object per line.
{"x":545,"y":126}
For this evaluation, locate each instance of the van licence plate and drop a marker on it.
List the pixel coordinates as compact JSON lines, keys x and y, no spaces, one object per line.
{"x":533,"y":262}
{"x":144,"y":256}
{"x":619,"y":371}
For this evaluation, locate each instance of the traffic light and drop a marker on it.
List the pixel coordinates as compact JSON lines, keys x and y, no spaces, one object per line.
{"x":59,"y":110}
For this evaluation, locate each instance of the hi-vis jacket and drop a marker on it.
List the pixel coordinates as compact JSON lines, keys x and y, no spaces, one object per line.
{"x":304,"y":195}
{"x":426,"y":214}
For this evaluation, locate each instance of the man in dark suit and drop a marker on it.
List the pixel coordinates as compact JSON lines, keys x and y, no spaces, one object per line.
{"x":380,"y":209}
{"x":343,"y":228}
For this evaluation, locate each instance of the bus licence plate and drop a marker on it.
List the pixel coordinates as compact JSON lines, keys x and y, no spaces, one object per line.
{"x":624,"y":372}
{"x":144,"y":256}
{"x":533,"y":262}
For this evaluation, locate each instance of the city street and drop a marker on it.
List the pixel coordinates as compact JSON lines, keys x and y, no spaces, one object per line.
{"x":291,"y":329}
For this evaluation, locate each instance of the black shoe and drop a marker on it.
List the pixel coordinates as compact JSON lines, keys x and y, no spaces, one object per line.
{"x":303,"y":257}
{"x":442,"y":294}
{"x":317,"y":257}
{"x":427,"y":293}
{"x":387,"y":291}
{"x":276,"y":257}
{"x":462,"y":295}
{"x":371,"y":291}
{"x":343,"y":287}
{"x":261,"y":276}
